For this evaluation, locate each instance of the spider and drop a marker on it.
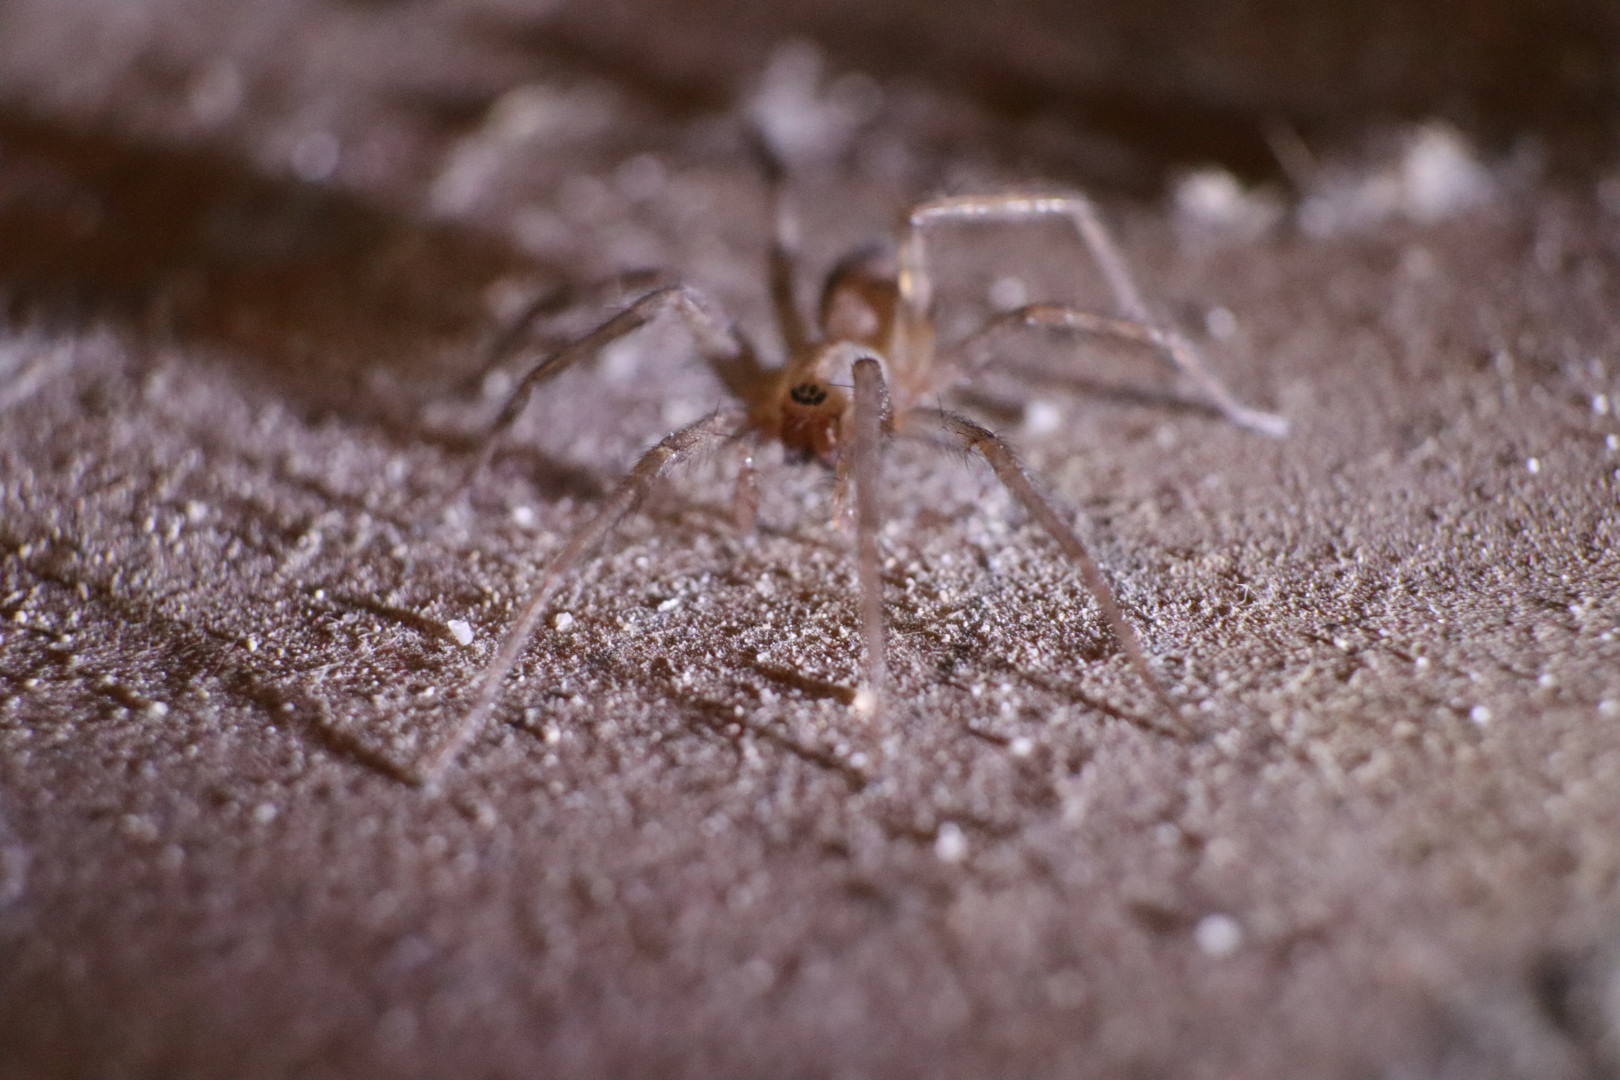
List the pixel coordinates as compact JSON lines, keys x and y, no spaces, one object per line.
{"x":860,"y":372}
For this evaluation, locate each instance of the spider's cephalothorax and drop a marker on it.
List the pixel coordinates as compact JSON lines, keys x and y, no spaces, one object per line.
{"x":860,"y":371}
{"x":810,"y":404}
{"x":809,"y":420}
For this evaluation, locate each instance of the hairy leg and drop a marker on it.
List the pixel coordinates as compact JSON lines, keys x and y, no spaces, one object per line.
{"x":1055,"y":317}
{"x":718,"y":342}
{"x":506,"y":340}
{"x":675,"y":447}
{"x":916,"y":287}
{"x":1000,"y":457}
{"x":969,"y":356}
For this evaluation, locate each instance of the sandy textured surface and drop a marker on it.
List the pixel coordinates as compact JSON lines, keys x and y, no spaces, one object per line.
{"x":250,"y":258}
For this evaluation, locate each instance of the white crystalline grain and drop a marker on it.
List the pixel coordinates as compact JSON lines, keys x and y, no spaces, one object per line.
{"x":1434,"y":174}
{"x":1218,"y":934}
{"x":461,"y":630}
{"x":1008,"y":293}
{"x":803,"y":115}
{"x":949,"y":843}
{"x":1211,"y":199}
{"x":1042,"y":417}
{"x":315,"y":156}
{"x":1221,"y":323}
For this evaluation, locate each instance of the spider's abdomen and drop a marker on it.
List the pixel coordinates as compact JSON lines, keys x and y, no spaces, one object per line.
{"x":859,"y":300}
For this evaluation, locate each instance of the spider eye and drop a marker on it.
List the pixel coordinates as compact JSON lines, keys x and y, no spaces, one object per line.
{"x":808,"y":394}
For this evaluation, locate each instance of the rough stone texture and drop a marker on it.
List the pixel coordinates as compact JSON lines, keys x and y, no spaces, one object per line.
{"x":251,"y":256}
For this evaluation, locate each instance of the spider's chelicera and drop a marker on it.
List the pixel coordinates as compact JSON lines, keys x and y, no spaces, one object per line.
{"x":865,"y":368}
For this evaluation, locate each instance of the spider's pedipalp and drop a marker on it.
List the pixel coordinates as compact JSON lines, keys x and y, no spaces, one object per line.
{"x":630,"y":491}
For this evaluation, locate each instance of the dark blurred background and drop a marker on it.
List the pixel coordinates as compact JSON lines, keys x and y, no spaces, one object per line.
{"x":1185,"y":80}
{"x":157,"y":154}
{"x":1174,"y":80}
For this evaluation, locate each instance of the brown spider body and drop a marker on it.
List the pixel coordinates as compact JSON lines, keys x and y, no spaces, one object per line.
{"x":807,"y":403}
{"x":860,"y":373}
{"x":805,"y":411}
{"x":860,"y":303}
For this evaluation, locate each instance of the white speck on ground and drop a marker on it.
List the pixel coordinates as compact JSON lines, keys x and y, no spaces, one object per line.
{"x":1218,"y":934}
{"x":1220,"y":323}
{"x":315,"y":156}
{"x":1212,"y":200}
{"x":1042,"y":417}
{"x":950,"y":845}
{"x":1433,"y":175}
{"x":1008,"y":293}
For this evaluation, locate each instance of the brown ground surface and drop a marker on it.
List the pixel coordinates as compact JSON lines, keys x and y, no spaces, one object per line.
{"x":248,"y":253}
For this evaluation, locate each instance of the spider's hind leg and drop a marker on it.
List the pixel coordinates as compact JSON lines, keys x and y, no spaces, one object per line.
{"x":916,"y":287}
{"x":783,"y":261}
{"x":976,"y":439}
{"x":970,"y":355}
{"x":718,"y":341}
{"x":518,"y":332}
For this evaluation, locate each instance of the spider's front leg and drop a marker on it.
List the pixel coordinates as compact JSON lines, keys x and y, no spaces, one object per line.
{"x":1136,"y":320}
{"x":870,"y":409}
